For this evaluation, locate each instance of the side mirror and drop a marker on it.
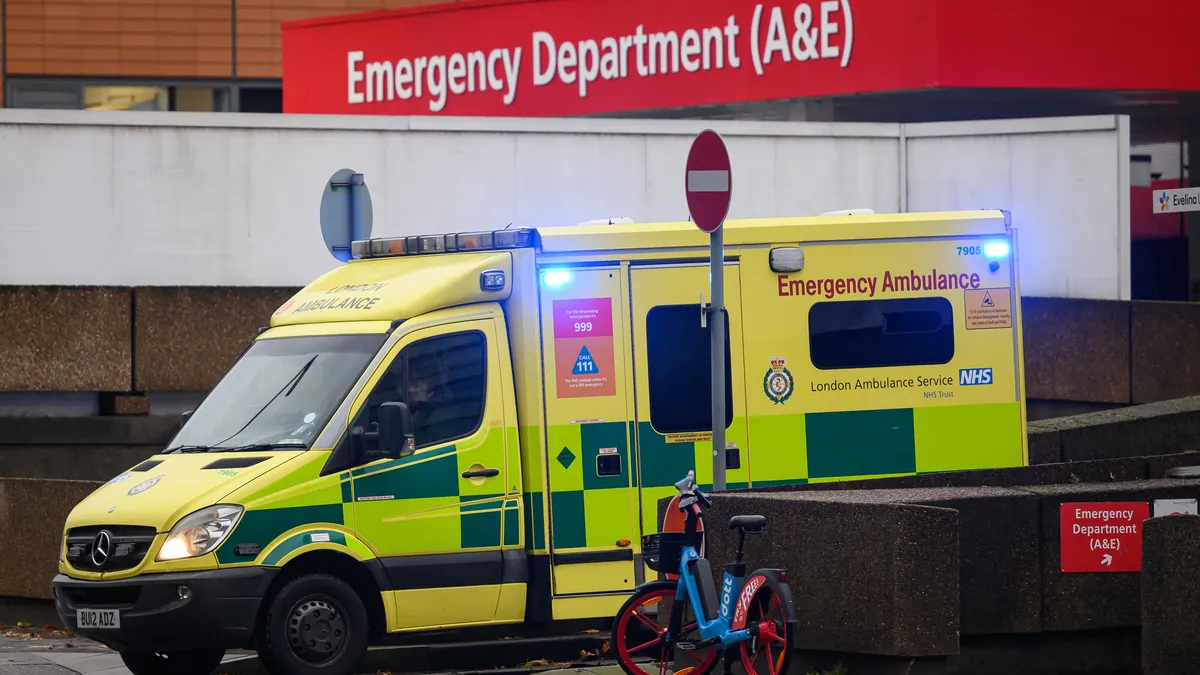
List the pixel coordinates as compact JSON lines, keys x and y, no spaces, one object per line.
{"x":395,"y":431}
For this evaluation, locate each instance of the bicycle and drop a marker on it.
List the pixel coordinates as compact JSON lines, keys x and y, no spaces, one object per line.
{"x":763,"y":615}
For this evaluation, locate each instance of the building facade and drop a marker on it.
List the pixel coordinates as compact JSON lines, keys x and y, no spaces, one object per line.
{"x":186,"y":55}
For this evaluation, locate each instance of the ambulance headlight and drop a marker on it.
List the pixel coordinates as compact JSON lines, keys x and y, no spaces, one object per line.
{"x":200,"y":533}
{"x":996,"y":249}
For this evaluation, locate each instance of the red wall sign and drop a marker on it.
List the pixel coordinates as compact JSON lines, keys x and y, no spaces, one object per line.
{"x":564,"y":57}
{"x":1102,"y":536}
{"x":583,"y":348}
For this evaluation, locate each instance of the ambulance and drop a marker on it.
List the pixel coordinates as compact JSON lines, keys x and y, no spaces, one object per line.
{"x":473,"y":429}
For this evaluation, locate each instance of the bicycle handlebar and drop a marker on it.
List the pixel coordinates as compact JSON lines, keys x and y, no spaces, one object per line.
{"x":689,"y":493}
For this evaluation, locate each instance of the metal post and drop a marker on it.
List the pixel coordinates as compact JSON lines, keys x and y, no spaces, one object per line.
{"x":716,"y":330}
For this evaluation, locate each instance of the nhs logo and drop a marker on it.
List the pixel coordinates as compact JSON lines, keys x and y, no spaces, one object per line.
{"x":971,"y":376}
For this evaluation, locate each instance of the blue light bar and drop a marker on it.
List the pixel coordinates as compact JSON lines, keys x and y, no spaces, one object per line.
{"x":996,"y":249}
{"x":556,"y":278}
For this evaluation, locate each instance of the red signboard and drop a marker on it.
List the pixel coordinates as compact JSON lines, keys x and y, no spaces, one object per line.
{"x":1102,"y":536}
{"x":709,"y":181}
{"x":566,"y":57}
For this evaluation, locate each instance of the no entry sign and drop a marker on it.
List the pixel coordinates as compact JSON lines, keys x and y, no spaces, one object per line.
{"x":1102,"y":536}
{"x":709,"y":181}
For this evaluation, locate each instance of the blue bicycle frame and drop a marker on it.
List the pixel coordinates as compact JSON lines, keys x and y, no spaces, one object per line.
{"x":731,"y":586}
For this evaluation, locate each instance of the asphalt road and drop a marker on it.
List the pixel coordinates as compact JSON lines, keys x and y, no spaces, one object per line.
{"x":41,"y":652}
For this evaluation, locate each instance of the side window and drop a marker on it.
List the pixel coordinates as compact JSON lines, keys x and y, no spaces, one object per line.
{"x":680,"y":370}
{"x":443,"y":380}
{"x":881,"y":333}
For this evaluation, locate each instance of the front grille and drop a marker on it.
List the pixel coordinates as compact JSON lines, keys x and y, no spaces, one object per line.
{"x":127,"y":546}
{"x":92,"y":598}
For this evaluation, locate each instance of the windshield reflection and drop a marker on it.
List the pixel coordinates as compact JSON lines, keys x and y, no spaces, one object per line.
{"x":280,"y":394}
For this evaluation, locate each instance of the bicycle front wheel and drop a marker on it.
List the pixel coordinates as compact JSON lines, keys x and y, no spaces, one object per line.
{"x":643,"y":641}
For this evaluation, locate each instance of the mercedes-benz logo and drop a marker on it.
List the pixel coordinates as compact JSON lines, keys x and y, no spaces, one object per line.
{"x":101,"y":548}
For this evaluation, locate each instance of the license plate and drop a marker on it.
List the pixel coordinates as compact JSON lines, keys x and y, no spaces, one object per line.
{"x":98,"y":618}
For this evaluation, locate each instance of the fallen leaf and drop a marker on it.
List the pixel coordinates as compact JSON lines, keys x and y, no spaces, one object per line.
{"x":591,"y":630}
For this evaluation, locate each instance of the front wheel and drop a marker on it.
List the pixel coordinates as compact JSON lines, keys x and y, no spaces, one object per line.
{"x":315,"y":625}
{"x":191,"y":662}
{"x":770,"y":651}
{"x":642,"y":638}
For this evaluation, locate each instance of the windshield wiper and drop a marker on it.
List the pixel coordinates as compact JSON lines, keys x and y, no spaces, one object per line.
{"x":288,"y":386}
{"x":187,"y":448}
{"x":260,"y":446}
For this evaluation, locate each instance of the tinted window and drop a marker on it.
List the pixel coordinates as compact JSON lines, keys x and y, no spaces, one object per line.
{"x":881,"y":333}
{"x":444,"y":382}
{"x":680,"y":370}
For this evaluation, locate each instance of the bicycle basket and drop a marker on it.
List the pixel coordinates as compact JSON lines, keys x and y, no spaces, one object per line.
{"x":662,"y":551}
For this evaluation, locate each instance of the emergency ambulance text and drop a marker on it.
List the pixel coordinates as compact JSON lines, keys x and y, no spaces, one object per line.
{"x":830,"y":287}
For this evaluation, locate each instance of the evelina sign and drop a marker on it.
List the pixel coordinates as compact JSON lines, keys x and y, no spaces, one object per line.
{"x":777,"y":39}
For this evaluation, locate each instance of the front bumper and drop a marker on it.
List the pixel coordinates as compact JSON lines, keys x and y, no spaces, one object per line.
{"x":221,"y":611}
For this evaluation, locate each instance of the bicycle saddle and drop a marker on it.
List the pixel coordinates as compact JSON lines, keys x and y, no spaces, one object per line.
{"x":748,"y":523}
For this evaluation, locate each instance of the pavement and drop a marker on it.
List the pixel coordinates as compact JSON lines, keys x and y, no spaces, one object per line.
{"x":26,"y":651}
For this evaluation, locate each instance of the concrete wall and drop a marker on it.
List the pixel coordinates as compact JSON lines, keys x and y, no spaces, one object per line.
{"x":148,"y":199}
{"x":64,"y":342}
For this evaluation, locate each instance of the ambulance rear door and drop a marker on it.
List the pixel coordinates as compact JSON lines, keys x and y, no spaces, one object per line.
{"x":588,"y":388}
{"x":672,"y":368}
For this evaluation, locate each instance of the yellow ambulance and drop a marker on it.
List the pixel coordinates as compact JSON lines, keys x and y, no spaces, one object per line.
{"x":474,"y":429}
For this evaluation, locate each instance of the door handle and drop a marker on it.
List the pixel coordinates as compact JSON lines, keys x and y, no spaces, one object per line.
{"x":481,"y":473}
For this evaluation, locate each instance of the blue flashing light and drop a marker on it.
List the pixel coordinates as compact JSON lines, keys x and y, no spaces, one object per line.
{"x":556,"y":278}
{"x":996,"y":249}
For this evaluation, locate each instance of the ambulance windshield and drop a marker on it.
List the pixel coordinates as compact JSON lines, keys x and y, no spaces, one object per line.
{"x":279,"y":395}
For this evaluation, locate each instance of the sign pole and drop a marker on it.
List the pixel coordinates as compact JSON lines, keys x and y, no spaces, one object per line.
{"x":709,"y":189}
{"x":716,"y":331}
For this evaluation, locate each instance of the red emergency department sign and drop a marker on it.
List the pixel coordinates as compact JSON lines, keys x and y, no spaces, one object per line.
{"x":1102,"y":536}
{"x":546,"y":58}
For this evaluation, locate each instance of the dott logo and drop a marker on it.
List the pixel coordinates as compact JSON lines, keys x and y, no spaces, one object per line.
{"x":972,"y":376}
{"x":1162,"y":202}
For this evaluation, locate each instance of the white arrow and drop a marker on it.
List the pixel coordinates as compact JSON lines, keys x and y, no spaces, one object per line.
{"x":1106,"y":560}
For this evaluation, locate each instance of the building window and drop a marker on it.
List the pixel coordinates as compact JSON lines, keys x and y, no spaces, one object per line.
{"x":67,"y":95}
{"x":126,"y":98}
{"x":680,"y":370}
{"x":260,"y":99}
{"x":881,"y":333}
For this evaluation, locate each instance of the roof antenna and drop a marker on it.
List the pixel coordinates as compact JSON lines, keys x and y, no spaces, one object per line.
{"x":508,"y":226}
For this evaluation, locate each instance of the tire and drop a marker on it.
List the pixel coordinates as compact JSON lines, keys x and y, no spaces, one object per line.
{"x":631,"y":634}
{"x":315,"y":624}
{"x":191,"y":662}
{"x":770,"y":652}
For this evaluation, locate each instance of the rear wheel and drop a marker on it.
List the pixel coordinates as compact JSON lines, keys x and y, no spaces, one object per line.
{"x":770,"y":652}
{"x":642,"y":641}
{"x":191,"y":662}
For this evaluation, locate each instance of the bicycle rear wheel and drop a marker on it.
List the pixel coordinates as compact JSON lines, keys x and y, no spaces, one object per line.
{"x":642,"y":641}
{"x":770,"y":653}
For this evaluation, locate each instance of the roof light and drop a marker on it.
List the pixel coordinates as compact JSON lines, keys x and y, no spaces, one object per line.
{"x":786,"y":260}
{"x":850,"y":212}
{"x":622,"y":220}
{"x":996,"y":249}
{"x":556,"y":278}
{"x":442,"y":243}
